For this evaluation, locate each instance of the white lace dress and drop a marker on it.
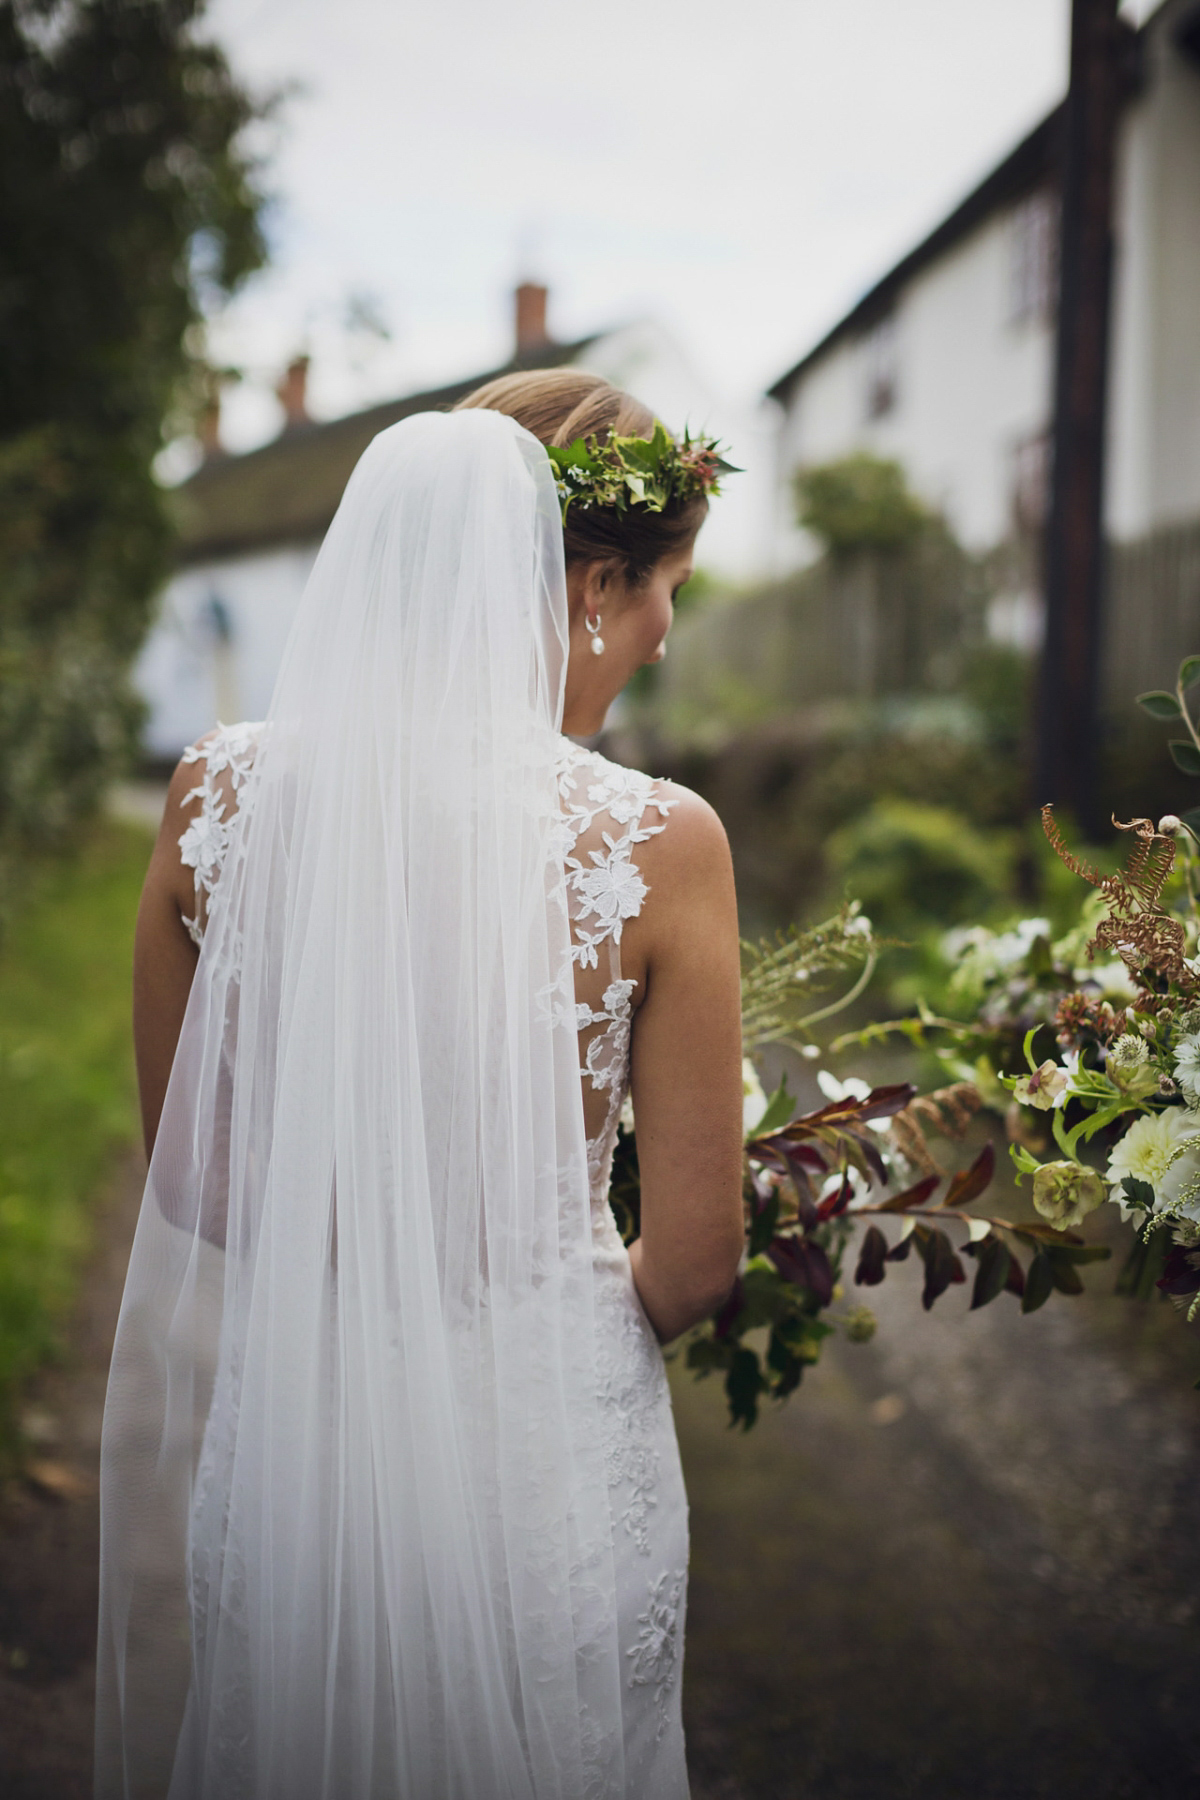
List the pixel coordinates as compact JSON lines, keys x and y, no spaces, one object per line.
{"x":608,"y":812}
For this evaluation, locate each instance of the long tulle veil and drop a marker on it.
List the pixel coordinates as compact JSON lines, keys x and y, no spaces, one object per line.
{"x":354,"y":1520}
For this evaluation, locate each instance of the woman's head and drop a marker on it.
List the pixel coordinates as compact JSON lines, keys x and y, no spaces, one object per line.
{"x":623,"y":568}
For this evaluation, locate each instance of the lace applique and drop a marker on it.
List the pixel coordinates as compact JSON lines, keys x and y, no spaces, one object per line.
{"x":604,"y":890}
{"x":204,"y":844}
{"x":632,"y":1398}
{"x":655,"y":1654}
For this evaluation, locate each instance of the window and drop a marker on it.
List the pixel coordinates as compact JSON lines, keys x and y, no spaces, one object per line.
{"x":1033,"y":272}
{"x":881,"y":361}
{"x":1029,"y":483}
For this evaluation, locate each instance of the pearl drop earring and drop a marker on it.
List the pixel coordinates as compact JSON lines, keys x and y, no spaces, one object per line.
{"x":594,"y":634}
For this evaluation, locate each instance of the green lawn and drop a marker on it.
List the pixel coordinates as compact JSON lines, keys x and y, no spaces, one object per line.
{"x":67,"y":1092}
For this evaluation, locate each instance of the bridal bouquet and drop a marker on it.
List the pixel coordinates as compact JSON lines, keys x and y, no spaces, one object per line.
{"x":811,"y":1181}
{"x":1086,"y":1045}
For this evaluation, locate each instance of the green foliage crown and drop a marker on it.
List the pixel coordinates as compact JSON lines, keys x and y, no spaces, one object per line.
{"x":624,"y":472}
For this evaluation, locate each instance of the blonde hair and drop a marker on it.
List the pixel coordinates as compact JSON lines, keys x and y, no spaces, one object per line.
{"x":559,"y":405}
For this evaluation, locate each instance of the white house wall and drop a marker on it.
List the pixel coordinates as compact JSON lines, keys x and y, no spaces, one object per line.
{"x":972,"y":384}
{"x":215,"y":648}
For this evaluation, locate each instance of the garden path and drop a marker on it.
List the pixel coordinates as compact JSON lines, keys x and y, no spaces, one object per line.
{"x":964,"y":1560}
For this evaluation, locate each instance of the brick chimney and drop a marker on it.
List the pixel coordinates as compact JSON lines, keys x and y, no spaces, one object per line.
{"x":532,"y":335}
{"x":291,"y":393}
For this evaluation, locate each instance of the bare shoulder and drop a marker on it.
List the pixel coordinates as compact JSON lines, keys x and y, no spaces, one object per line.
{"x":693,"y":844}
{"x":687,"y":868}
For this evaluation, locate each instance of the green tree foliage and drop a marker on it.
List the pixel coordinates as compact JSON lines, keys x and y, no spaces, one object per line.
{"x":860,"y":502}
{"x":129,"y":204}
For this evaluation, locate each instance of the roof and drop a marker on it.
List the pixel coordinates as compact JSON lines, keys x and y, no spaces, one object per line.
{"x":1032,"y":165}
{"x":288,"y":490}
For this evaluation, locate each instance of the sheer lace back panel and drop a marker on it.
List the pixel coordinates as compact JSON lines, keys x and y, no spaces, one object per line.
{"x":608,"y":812}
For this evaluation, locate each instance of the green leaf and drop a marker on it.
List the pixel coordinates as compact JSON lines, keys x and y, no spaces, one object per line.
{"x":992,"y":1274}
{"x":780,"y":1108}
{"x":1144,"y":1265}
{"x":1039,"y":1283}
{"x":1138,"y":1193}
{"x":1160,"y":705}
{"x":1189,"y":672}
{"x":704,"y":1354}
{"x":1063,"y":1273}
{"x":1192,"y":821}
{"x":1185,"y":755}
{"x":743,"y":1385}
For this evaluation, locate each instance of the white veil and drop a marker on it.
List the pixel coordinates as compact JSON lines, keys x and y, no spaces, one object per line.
{"x":355,"y":1537}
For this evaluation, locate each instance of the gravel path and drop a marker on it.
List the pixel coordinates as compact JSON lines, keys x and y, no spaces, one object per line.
{"x":962,"y":1564}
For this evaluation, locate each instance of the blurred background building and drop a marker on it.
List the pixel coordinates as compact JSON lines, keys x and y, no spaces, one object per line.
{"x":946,"y":365}
{"x":250,"y":525}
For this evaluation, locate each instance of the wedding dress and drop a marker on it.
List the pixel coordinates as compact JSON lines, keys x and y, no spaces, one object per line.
{"x":392,"y":1506}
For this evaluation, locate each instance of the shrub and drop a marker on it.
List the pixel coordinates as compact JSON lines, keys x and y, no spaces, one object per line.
{"x":911,"y":864}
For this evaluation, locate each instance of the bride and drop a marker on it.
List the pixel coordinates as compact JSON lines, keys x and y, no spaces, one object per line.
{"x":391,"y":1501}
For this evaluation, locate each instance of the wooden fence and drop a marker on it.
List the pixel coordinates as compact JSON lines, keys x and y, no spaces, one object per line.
{"x":1151,"y":614}
{"x":872,"y":626}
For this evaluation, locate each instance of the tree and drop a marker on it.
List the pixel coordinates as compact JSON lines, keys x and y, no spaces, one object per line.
{"x":129,"y":205}
{"x":860,"y":502}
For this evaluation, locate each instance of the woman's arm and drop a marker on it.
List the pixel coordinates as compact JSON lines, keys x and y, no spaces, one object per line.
{"x":687,"y":1073}
{"x":164,"y":956}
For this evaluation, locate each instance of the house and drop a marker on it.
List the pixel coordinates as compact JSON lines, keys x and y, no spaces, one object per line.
{"x":946,"y":364}
{"x":249,"y":526}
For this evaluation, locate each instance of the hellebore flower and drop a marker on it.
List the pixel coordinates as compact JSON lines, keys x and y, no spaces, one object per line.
{"x":1065,"y":1193}
{"x":1046,"y":1088}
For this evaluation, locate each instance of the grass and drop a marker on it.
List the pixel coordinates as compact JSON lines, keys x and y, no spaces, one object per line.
{"x":68,"y":1101}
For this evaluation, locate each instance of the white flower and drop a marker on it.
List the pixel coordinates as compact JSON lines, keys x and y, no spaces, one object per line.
{"x":1162,"y":1149}
{"x":1112,"y":978}
{"x":754,"y":1101}
{"x":1128,"y":1063}
{"x":981,"y":955}
{"x":1187,"y":1068}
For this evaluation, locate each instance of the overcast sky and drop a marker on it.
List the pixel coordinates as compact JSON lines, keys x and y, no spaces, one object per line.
{"x":739,"y":169}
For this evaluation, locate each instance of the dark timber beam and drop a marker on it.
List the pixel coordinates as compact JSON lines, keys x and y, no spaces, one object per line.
{"x":1067,"y":711}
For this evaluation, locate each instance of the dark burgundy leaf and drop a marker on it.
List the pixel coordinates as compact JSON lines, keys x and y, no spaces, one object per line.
{"x":937,"y":1252}
{"x":872,"y":1259}
{"x":1039,"y":1284}
{"x":1181,"y":1271}
{"x":899,"y":1252}
{"x":1014,"y":1281}
{"x":837,"y":1202}
{"x":726,"y":1319}
{"x":1063,"y":1273}
{"x":916,"y":1195}
{"x":880,"y":1103}
{"x":810,"y":1155}
{"x":805,"y":1264}
{"x":991,"y":1276}
{"x":968,"y":1184}
{"x":958,"y":1274}
{"x":871,"y":1155}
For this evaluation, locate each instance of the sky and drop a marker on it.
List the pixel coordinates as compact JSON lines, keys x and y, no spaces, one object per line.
{"x":740,"y":170}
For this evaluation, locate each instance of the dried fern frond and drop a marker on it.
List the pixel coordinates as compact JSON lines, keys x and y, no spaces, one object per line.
{"x":945,"y":1113}
{"x":1136,"y":927}
{"x":781,"y":976}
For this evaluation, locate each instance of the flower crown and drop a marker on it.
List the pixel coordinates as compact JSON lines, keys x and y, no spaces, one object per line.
{"x":623,"y":472}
